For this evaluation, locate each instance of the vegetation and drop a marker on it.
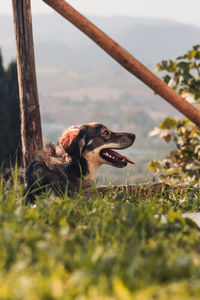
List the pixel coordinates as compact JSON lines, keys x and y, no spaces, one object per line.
{"x":112,"y":247}
{"x":117,"y":246}
{"x":10,"y":114}
{"x":183,"y":163}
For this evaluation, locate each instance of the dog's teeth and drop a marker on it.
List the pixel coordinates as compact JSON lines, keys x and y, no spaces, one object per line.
{"x":113,"y":157}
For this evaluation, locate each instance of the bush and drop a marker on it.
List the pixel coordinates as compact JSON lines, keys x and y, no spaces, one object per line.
{"x":183,"y":163}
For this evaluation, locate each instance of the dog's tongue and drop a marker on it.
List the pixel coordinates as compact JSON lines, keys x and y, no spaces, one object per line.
{"x":116,"y":154}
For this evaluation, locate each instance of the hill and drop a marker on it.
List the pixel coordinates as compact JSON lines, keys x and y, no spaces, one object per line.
{"x":58,"y":43}
{"x":79,"y":83}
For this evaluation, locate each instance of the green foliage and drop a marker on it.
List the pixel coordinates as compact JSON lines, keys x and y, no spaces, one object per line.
{"x":184,"y":73}
{"x":111,"y":247}
{"x":10,"y":137}
{"x":183,"y":163}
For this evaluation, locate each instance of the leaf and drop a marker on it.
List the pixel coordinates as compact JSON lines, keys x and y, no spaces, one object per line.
{"x":121,"y":290}
{"x":192,"y":133}
{"x":159,"y":68}
{"x":184,"y":65}
{"x":188,"y":96}
{"x":155,"y":131}
{"x":167,"y":79}
{"x":153,"y":165}
{"x":197,"y":149}
{"x":167,"y":138}
{"x":192,"y":53}
{"x":168,"y":123}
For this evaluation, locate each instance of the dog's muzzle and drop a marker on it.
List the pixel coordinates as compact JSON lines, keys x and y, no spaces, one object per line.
{"x":121,"y":141}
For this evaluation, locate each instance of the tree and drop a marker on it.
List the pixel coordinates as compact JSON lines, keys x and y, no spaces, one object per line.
{"x":10,"y":137}
{"x":183,"y":163}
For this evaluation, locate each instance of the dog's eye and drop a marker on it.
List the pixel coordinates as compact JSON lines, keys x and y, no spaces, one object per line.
{"x":106,"y":133}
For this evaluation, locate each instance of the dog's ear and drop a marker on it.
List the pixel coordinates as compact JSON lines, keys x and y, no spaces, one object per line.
{"x":73,"y":142}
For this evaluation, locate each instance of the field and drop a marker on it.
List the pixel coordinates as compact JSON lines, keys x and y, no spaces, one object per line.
{"x":112,"y":247}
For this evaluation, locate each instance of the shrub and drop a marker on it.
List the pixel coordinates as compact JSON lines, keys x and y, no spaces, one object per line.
{"x":183,"y":163}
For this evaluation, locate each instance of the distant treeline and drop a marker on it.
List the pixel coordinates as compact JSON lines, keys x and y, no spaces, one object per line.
{"x":10,"y":138}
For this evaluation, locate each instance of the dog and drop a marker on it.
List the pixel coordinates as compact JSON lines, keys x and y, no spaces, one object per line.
{"x":75,"y":159}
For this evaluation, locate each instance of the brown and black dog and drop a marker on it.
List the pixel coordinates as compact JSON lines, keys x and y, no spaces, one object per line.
{"x":75,"y":159}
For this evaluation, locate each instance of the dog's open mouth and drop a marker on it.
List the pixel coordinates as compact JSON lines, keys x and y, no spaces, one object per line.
{"x":115,"y":158}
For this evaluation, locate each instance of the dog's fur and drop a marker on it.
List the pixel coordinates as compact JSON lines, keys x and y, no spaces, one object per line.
{"x":74,"y":160}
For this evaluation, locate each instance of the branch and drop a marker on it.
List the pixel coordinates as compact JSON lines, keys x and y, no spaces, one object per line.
{"x":141,"y":189}
{"x":124,"y":58}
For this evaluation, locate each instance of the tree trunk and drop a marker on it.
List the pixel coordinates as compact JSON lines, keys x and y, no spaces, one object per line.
{"x":31,"y":132}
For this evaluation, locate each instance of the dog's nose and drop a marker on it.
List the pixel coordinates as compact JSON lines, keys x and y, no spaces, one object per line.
{"x":132,"y":136}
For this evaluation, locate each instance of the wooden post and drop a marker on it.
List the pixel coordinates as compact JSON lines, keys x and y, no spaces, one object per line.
{"x":31,"y":132}
{"x":124,"y":58}
{"x":147,"y":188}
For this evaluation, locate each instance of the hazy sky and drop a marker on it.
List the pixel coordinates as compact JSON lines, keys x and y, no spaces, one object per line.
{"x":185,"y":11}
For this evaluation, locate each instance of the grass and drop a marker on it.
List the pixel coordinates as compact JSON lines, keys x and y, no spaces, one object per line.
{"x":111,"y":247}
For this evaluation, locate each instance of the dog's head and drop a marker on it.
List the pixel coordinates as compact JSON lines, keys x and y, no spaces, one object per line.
{"x":95,"y":142}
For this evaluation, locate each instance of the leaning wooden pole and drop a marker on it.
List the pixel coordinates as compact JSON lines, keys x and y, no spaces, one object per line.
{"x":31,"y":132}
{"x":125,"y":59}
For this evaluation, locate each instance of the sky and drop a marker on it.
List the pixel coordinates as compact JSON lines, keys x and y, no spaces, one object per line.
{"x":184,"y":11}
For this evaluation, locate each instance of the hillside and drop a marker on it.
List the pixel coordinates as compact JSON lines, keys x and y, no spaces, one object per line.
{"x":79,"y":83}
{"x":59,"y":44}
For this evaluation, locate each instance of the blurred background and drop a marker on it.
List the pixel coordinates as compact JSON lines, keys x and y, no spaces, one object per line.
{"x":79,"y":83}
